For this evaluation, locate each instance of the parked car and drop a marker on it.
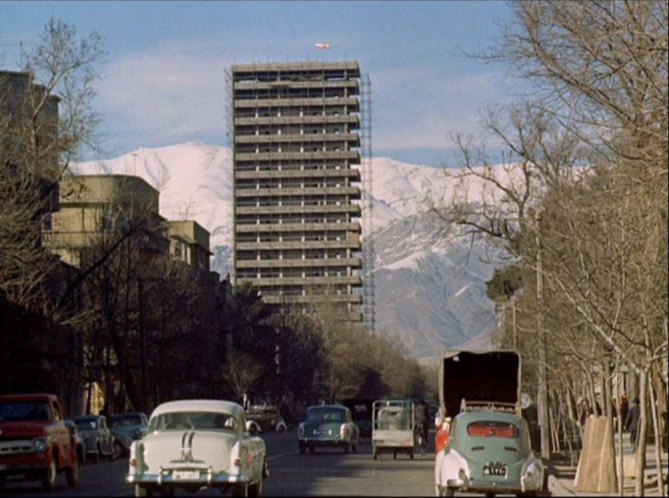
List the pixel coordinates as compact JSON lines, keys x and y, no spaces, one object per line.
{"x":196,"y":443}
{"x":266,"y":418}
{"x":328,"y":425}
{"x":98,"y":439}
{"x":489,"y":451}
{"x":78,"y":441}
{"x":36,"y":443}
{"x":128,"y":427}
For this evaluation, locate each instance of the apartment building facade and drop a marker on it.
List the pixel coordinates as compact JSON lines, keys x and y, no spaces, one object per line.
{"x":296,"y":158}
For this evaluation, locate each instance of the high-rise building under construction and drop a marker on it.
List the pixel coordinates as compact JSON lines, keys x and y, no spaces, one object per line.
{"x":298,"y":145}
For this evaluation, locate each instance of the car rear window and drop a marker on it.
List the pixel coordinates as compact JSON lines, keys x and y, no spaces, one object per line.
{"x":325,"y":415}
{"x":489,"y":428}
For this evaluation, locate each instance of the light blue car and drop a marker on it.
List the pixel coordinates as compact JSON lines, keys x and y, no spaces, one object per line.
{"x":129,"y":427}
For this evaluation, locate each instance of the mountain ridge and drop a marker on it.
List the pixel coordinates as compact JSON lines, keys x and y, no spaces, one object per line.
{"x":429,"y":282}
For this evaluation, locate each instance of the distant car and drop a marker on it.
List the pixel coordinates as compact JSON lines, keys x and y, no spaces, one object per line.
{"x":489,"y":452}
{"x":196,"y":443}
{"x":361,"y":410}
{"x":266,"y":418}
{"x":78,"y":441}
{"x":328,"y":425}
{"x":98,"y":439}
{"x":128,"y":427}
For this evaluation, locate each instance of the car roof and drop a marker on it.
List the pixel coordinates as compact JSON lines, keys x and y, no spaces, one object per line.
{"x":128,"y":414}
{"x":85,"y":417}
{"x":330,"y":407}
{"x":197,"y":405}
{"x":29,"y":397}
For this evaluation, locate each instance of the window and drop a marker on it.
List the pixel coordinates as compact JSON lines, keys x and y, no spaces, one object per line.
{"x":487,"y":428}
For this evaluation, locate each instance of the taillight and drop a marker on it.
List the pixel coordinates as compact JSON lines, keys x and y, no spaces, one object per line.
{"x":237,"y":462}
{"x":133,"y":462}
{"x":345,"y":431}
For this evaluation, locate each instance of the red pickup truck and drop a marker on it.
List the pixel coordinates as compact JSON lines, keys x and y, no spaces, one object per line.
{"x":35,"y":442}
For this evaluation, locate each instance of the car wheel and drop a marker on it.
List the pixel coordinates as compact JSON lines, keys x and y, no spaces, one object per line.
{"x":375,"y":453}
{"x":303,"y":449}
{"x":280,"y":427}
{"x":347,"y":448}
{"x":166,"y":491}
{"x":98,"y":452}
{"x":49,"y":477}
{"x":445,"y":491}
{"x":411,"y":455}
{"x":265,"y":468}
{"x":394,"y":454}
{"x":312,"y":449}
{"x":355,"y":446}
{"x":143,"y":490}
{"x":240,"y":489}
{"x":117,"y":451}
{"x":256,"y":489}
{"x":72,"y":473}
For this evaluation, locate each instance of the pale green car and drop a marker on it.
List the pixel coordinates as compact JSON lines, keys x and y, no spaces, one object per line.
{"x":489,"y":452}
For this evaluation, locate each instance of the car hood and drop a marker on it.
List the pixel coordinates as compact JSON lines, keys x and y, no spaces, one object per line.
{"x":178,"y":448}
{"x":25,"y":428}
{"x":485,"y":376}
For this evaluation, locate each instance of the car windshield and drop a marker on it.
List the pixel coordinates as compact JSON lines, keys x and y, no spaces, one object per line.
{"x":87,"y":424}
{"x":176,"y":421}
{"x":24,"y":410}
{"x":125,"y":421}
{"x":488,"y":428}
{"x":325,"y":415}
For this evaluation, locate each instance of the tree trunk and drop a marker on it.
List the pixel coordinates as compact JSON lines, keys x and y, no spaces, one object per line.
{"x":654,"y":408}
{"x":640,"y":460}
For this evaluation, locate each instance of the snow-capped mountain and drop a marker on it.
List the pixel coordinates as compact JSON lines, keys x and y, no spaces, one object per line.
{"x":429,"y":282}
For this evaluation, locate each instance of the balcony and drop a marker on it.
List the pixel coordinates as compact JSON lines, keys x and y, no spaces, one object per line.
{"x":351,"y":119}
{"x":353,"y":280}
{"x":352,"y":192}
{"x":298,"y":227}
{"x":351,"y":102}
{"x":354,"y":209}
{"x":315,"y":244}
{"x":352,"y":156}
{"x":299,"y":263}
{"x":318,"y":83}
{"x":314,"y":298}
{"x":352,"y":173}
{"x":297,"y":138}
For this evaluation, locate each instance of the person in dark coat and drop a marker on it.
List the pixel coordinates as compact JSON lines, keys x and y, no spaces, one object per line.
{"x":632,"y":423}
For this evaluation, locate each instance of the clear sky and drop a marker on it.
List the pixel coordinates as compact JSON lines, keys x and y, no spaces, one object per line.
{"x":164,"y":80}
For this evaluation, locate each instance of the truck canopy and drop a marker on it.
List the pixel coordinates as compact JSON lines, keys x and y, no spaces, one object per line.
{"x":478,"y":376}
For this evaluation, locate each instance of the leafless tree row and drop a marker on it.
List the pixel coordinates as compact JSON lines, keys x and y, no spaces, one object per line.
{"x":582,"y":203}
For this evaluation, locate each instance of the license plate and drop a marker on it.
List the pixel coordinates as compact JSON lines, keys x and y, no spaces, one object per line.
{"x":494,"y":470}
{"x":180,"y":475}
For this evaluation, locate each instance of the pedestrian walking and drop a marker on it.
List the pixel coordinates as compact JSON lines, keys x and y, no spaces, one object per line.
{"x":632,"y":423}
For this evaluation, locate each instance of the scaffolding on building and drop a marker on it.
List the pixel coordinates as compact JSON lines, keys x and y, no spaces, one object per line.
{"x":229,"y":142}
{"x":368,"y":253}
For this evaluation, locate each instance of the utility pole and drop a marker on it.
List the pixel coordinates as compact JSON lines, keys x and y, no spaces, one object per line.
{"x":541,"y":332}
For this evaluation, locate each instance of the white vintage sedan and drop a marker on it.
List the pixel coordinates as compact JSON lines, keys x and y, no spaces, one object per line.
{"x":192,"y":444}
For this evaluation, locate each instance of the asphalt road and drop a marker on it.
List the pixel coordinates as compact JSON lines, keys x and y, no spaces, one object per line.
{"x":328,"y":472}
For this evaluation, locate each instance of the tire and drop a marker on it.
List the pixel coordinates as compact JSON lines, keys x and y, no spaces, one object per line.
{"x":72,"y":473}
{"x":117,"y":451}
{"x":411,"y":455}
{"x":239,"y":489}
{"x":394,"y":454}
{"x":347,"y":448}
{"x":303,"y":449}
{"x":445,"y":491}
{"x":98,"y":452}
{"x":49,"y":477}
{"x":355,"y":446}
{"x":166,"y":491}
{"x":312,"y":449}
{"x":375,"y":453}
{"x":255,"y":490}
{"x":143,"y":490}
{"x":265,"y":469}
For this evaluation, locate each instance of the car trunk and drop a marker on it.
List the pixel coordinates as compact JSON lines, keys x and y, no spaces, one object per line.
{"x":324,"y":429}
{"x":478,"y":376}
{"x":210,"y":447}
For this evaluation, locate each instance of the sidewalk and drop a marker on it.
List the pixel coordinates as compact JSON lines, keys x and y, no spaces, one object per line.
{"x":561,"y":476}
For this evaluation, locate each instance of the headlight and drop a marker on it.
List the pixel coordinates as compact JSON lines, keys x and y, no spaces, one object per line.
{"x":40,"y":445}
